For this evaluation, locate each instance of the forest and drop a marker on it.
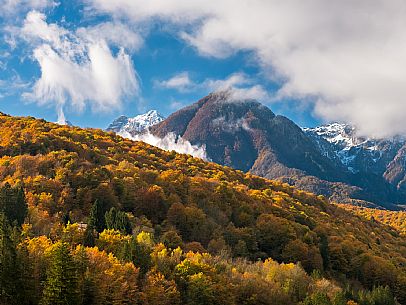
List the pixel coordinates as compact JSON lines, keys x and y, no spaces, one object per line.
{"x":88,"y":217}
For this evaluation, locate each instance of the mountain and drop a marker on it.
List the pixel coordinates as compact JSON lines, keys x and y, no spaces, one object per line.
{"x":358,"y":154}
{"x":385,"y":158}
{"x":246,"y":135}
{"x":137,"y":124}
{"x":112,"y":219}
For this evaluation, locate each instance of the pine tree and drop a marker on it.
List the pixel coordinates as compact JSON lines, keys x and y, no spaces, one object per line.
{"x":21,"y":206}
{"x":8,"y":259}
{"x":61,"y":286}
{"x":111,"y":217}
{"x":89,"y":239}
{"x":97,"y":217}
{"x":13,"y":204}
{"x":118,"y":220}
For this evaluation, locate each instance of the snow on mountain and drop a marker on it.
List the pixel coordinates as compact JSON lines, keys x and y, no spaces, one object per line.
{"x":358,"y":154}
{"x":135,"y":125}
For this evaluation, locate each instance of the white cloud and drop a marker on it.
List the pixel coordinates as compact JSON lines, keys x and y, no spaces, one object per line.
{"x":240,"y":85}
{"x":349,"y":56}
{"x":10,"y":8}
{"x":170,"y":142}
{"x":175,"y":105}
{"x":180,"y":82}
{"x":114,"y":33}
{"x":12,"y":86}
{"x":79,"y":69}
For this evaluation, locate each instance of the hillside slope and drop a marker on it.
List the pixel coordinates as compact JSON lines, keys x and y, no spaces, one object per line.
{"x":248,"y":136}
{"x":184,"y":201}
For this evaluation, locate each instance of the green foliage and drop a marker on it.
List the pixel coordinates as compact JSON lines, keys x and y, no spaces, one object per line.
{"x":13,"y":203}
{"x":118,"y":220}
{"x":8,"y":264}
{"x":317,"y":298}
{"x":97,"y":219}
{"x":61,"y":286}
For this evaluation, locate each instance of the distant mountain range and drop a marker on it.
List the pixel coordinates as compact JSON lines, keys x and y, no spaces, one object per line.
{"x":381,"y":157}
{"x":246,"y":135}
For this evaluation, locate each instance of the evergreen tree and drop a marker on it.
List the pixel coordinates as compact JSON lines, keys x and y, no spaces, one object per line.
{"x":89,"y":237}
{"x":61,"y":286}
{"x":97,"y":217}
{"x":13,"y":204}
{"x":110,"y":218}
{"x":21,"y":206}
{"x":118,"y":220}
{"x":6,"y":201}
{"x":8,"y":264}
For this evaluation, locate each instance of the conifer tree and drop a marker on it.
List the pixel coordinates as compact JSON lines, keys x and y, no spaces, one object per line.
{"x":117,"y":220}
{"x":21,"y":206}
{"x":61,"y":286}
{"x":13,"y":204}
{"x":97,"y":217}
{"x":8,"y":264}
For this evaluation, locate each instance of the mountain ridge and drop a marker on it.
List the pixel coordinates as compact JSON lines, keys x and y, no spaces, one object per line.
{"x":248,"y":136}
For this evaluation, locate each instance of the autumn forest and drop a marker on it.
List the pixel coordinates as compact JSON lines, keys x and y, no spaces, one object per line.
{"x":88,"y":217}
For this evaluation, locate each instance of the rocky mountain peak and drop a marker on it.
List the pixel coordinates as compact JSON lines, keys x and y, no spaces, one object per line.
{"x":137,"y":124}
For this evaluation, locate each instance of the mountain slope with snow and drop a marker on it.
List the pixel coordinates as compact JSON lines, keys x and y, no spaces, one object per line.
{"x":132,"y":126}
{"x":358,"y":154}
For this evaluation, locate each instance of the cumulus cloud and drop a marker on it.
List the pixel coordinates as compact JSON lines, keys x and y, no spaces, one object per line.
{"x":348,"y":57}
{"x":114,"y":33}
{"x":9,"y":8}
{"x":180,"y":82}
{"x":240,"y":85}
{"x":78,"y":69}
{"x":170,"y":142}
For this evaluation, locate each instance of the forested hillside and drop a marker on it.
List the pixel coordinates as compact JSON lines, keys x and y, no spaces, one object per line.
{"x":88,"y":217}
{"x":397,"y":220}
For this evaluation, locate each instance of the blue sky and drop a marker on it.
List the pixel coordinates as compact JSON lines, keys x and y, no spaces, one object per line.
{"x":92,"y":60}
{"x":163,"y":55}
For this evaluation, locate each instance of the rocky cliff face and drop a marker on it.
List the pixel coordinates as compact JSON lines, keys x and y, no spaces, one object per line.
{"x":245,"y":134}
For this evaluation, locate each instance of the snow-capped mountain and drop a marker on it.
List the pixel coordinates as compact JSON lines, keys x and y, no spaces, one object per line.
{"x":358,"y":154}
{"x":137,"y":124}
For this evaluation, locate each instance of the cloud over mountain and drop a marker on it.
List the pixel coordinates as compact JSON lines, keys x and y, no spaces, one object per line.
{"x":347,"y":57}
{"x":241,"y":85}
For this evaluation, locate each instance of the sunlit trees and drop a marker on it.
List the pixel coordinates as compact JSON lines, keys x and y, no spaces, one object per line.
{"x":130,"y":213}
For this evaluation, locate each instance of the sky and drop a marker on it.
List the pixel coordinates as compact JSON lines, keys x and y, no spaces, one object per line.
{"x":314,"y":61}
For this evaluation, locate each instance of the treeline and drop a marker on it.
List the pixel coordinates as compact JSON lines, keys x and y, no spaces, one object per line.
{"x":97,"y":185}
